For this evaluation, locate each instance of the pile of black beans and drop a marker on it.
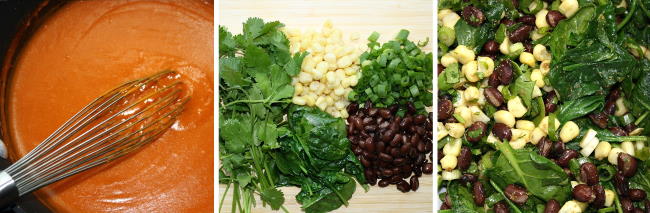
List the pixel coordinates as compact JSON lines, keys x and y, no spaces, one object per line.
{"x":392,"y":148}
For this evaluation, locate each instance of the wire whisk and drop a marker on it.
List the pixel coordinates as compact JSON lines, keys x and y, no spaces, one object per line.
{"x":113,"y":125}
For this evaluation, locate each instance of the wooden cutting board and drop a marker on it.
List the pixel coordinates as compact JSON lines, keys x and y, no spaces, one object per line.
{"x":362,"y":17}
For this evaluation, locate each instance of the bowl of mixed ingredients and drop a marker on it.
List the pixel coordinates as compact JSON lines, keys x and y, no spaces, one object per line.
{"x":543,"y":106}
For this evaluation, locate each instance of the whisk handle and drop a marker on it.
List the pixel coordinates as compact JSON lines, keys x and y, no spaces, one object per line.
{"x":8,"y":190}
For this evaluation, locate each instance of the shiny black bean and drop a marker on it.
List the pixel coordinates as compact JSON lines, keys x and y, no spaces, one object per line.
{"x":627,"y":205}
{"x":566,"y":156}
{"x":646,"y":205}
{"x":427,"y":168}
{"x":527,"y":19}
{"x":504,"y":72}
{"x":479,"y":193}
{"x":352,"y":108}
{"x":493,"y":96}
{"x":599,"y":192}
{"x":626,"y":164}
{"x":403,"y":186}
{"x":415,"y":183}
{"x":397,"y":140}
{"x":610,"y":107}
{"x":583,"y":193}
{"x":385,"y":113}
{"x":618,"y":131}
{"x":553,"y":17}
{"x":473,"y":16}
{"x":544,"y":146}
{"x":491,"y":47}
{"x":521,"y":34}
{"x":494,"y":81}
{"x":464,"y":158}
{"x":558,"y":148}
{"x":552,"y":206}
{"x":621,"y":184}
{"x":468,"y":178}
{"x":502,"y":131}
{"x":516,"y":194}
{"x":636,"y":194}
{"x":501,"y":207}
{"x":475,"y":132}
{"x":599,"y":118}
{"x":406,"y":122}
{"x":550,"y":102}
{"x":385,"y":157}
{"x":589,"y":174}
{"x":383,"y":183}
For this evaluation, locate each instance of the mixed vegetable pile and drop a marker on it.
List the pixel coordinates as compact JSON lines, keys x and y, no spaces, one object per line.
{"x":284,"y":95}
{"x":552,"y":115}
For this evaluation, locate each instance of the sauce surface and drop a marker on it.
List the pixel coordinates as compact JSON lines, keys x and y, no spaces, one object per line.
{"x":89,"y":47}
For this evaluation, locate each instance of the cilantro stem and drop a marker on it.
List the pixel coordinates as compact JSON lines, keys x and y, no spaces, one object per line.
{"x":224,"y":196}
{"x":628,"y":16}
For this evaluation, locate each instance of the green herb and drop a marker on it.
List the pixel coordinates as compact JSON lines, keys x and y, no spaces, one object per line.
{"x":260,"y":150}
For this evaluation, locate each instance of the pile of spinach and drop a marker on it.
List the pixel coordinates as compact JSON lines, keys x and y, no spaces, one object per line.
{"x":260,"y":150}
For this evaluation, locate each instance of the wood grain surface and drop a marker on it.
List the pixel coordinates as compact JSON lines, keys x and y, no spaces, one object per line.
{"x":362,"y":17}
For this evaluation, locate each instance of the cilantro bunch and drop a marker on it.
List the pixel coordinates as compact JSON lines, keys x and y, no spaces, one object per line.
{"x":260,"y":148}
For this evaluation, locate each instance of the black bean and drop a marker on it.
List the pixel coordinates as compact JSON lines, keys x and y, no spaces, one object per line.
{"x":553,"y":17}
{"x":397,"y":140}
{"x":636,"y":194}
{"x":527,"y":19}
{"x":491,"y":47}
{"x":479,"y":193}
{"x":464,"y":158}
{"x":427,"y":168}
{"x":501,"y":207}
{"x":646,"y":205}
{"x":385,"y":157}
{"x":383,"y":183}
{"x":385,"y":113}
{"x":475,"y":132}
{"x":493,"y":96}
{"x":473,"y":16}
{"x":583,"y":193}
{"x":468,"y":178}
{"x":364,"y":161}
{"x":618,"y":131}
{"x":614,"y":94}
{"x":589,"y":174}
{"x":627,"y":205}
{"x":638,"y":210}
{"x":544,"y":146}
{"x":599,"y":118}
{"x":528,"y":47}
{"x":387,"y":173}
{"x":566,"y":156}
{"x":502,"y":131}
{"x":504,"y":72}
{"x":599,"y":201}
{"x":620,"y":183}
{"x":516,"y":194}
{"x":610,"y":107}
{"x":494,"y":81}
{"x":405,"y":148}
{"x":521,"y":34}
{"x":630,"y":127}
{"x":406,"y":122}
{"x":552,"y":206}
{"x":558,"y":148}
{"x":627,"y":164}
{"x":550,"y":102}
{"x":415,"y":183}
{"x":352,"y":108}
{"x":507,"y":22}
{"x":403,"y":186}
{"x":419,"y":119}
